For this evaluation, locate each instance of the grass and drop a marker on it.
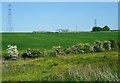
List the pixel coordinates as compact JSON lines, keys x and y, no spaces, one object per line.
{"x":80,"y":67}
{"x":45,"y":41}
{"x":89,"y":72}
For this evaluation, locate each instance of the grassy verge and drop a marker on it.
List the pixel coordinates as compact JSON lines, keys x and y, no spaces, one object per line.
{"x":80,"y":67}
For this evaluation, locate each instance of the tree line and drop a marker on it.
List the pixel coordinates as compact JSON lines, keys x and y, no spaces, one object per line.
{"x":105,"y":28}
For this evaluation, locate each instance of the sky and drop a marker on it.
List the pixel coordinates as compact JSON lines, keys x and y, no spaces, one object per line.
{"x":50,"y":16}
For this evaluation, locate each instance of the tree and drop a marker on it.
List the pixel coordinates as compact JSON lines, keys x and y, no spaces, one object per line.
{"x":105,"y":28}
{"x":96,"y":29}
{"x":66,"y":30}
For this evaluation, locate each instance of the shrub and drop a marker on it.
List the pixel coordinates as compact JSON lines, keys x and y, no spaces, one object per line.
{"x":57,"y":50}
{"x":32,"y":53}
{"x":68,"y":51}
{"x":88,"y":48}
{"x":12,"y":52}
{"x":5,"y":56}
{"x":51,"y":54}
{"x":107,"y":45}
{"x":78,"y":48}
{"x":81,"y":47}
{"x":119,"y":45}
{"x":113,"y":44}
{"x":74,"y":49}
{"x":98,"y":46}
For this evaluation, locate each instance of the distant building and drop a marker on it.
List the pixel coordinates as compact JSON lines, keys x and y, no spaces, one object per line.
{"x":62,"y":30}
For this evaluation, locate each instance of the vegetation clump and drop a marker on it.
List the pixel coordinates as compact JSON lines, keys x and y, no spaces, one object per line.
{"x":79,"y":48}
{"x":98,"y":46}
{"x":12,"y":52}
{"x":32,"y":53}
{"x":107,"y":45}
{"x":57,"y":50}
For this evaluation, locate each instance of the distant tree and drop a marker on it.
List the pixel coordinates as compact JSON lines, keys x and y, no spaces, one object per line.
{"x":105,"y":28}
{"x":96,"y":29}
{"x":66,"y":30}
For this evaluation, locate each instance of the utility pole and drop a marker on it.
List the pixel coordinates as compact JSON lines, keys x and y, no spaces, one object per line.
{"x":76,"y":28}
{"x":95,"y":23}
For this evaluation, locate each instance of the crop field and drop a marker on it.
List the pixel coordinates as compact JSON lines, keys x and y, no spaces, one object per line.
{"x":46,"y":41}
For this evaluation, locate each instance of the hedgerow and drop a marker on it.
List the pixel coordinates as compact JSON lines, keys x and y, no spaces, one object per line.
{"x":97,"y":46}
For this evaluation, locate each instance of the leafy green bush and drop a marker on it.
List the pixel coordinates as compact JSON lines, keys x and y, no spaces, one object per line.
{"x":80,"y":47}
{"x":51,"y":54}
{"x":57,"y":50}
{"x":119,"y":45}
{"x":113,"y":44}
{"x":32,"y":53}
{"x":88,"y":48}
{"x":68,"y":51}
{"x":98,"y":46}
{"x":12,"y":53}
{"x":5,"y":56}
{"x":107,"y":45}
{"x":74,"y":49}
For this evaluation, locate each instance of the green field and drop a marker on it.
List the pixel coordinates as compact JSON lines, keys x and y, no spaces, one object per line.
{"x":45,"y":41}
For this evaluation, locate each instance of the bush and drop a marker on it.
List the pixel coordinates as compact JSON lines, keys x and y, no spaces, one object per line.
{"x":107,"y":45}
{"x":32,"y":53}
{"x":51,"y":54}
{"x":88,"y":48}
{"x":80,"y":47}
{"x":68,"y":51}
{"x":57,"y":50}
{"x":119,"y":45}
{"x":12,"y":52}
{"x":74,"y":49}
{"x":113,"y":44}
{"x":5,"y":56}
{"x":98,"y":46}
